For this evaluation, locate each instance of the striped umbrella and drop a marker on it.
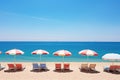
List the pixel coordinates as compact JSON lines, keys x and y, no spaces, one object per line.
{"x":88,"y":52}
{"x":15,"y":52}
{"x":40,"y":52}
{"x":111,"y":57}
{"x":62,"y":53}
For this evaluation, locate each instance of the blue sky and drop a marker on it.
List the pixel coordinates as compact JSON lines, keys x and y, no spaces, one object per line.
{"x":59,"y":20}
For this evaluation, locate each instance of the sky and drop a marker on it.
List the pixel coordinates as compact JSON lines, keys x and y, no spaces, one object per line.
{"x":59,"y":20}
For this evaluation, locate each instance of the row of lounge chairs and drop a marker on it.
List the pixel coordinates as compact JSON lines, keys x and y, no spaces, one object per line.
{"x":14,"y":67}
{"x":112,"y":69}
{"x":65,"y":67}
{"x":39,"y":67}
{"x":88,"y":68}
{"x":58,"y":67}
{"x":36,"y":67}
{"x":91,"y":68}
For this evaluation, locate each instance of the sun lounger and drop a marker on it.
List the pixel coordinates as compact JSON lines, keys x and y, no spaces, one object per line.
{"x":11,"y":68}
{"x":43,"y":67}
{"x":66,"y":67}
{"x":118,"y":68}
{"x":88,"y":69}
{"x":39,"y":68}
{"x":84,"y":67}
{"x":36,"y":66}
{"x":19,"y":67}
{"x":92,"y":67}
{"x":58,"y":66}
{"x":106,"y":68}
{"x":113,"y":69}
{"x":1,"y":67}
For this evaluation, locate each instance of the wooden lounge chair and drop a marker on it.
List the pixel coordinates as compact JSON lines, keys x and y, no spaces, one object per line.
{"x":84,"y":67}
{"x":19,"y":67}
{"x":57,"y":66}
{"x":92,"y":67}
{"x":66,"y":67}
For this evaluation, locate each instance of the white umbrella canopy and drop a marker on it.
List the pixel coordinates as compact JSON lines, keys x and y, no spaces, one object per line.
{"x":40,"y":52}
{"x":111,"y":57}
{"x":15,"y":52}
{"x":62,"y":53}
{"x":88,"y":52}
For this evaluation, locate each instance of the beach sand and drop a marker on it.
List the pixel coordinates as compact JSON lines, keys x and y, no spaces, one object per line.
{"x":51,"y":75}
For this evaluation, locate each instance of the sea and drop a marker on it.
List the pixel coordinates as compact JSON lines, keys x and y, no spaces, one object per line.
{"x":74,"y":47}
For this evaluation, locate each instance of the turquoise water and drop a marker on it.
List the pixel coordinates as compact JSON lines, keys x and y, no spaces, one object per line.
{"x":74,"y":47}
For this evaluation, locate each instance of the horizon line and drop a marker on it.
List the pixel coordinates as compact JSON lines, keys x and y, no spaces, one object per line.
{"x":51,"y":41}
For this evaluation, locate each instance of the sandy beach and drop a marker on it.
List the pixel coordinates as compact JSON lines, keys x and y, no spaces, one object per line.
{"x":51,"y":75}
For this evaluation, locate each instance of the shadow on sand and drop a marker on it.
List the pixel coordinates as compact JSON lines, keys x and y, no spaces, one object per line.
{"x":89,"y":71}
{"x":63,"y":71}
{"x":113,"y":72}
{"x":41,"y":70}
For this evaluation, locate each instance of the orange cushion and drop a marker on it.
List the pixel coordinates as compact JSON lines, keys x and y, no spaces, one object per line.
{"x":18,"y":66}
{"x":11,"y":66}
{"x":66,"y":66}
{"x":118,"y":67}
{"x":58,"y":65}
{"x":113,"y":67}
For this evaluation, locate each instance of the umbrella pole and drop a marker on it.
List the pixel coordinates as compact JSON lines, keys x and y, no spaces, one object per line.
{"x":14,"y":59}
{"x":40,"y":58}
{"x":112,"y":63}
{"x":87,"y":59}
{"x":63,"y":59}
{"x":63,"y":63}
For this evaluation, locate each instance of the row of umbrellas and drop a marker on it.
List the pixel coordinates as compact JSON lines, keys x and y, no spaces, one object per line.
{"x":63,"y":53}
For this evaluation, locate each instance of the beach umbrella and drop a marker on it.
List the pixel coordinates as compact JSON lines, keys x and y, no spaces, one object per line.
{"x":62,"y":53}
{"x":40,"y":52}
{"x":15,"y":52}
{"x":88,"y":52}
{"x":111,"y":57}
